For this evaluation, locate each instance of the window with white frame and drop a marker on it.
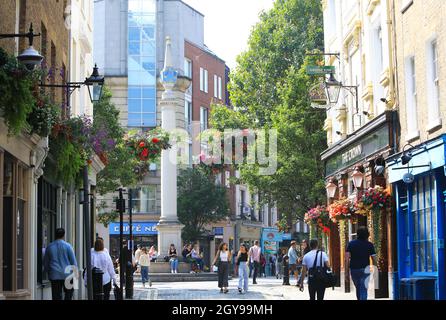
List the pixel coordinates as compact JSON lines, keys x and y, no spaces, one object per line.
{"x":411,"y":99}
{"x":188,"y":114}
{"x":188,"y":68}
{"x":433,"y":85}
{"x":203,"y":80}
{"x":219,"y":88}
{"x":215,"y":86}
{"x":203,"y":118}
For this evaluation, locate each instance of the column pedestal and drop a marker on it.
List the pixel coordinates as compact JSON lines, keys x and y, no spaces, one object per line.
{"x":169,"y":232}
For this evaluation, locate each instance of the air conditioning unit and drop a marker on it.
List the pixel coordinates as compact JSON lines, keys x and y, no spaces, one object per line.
{"x":417,"y":289}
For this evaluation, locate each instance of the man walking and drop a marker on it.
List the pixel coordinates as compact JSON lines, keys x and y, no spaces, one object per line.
{"x":293,"y":257}
{"x":358,"y":261}
{"x":313,"y":259}
{"x":254,"y":256}
{"x":59,"y":256}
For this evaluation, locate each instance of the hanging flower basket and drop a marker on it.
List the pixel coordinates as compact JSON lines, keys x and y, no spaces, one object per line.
{"x":375,"y":199}
{"x":342,"y":209}
{"x":319,"y":218}
{"x":147,"y":146}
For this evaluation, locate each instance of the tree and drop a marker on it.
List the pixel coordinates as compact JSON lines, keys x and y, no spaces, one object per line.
{"x":200,"y":202}
{"x":269,"y":89}
{"x":119,"y":170}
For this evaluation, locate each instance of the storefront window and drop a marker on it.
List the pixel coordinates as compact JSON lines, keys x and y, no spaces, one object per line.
{"x":46,"y":215}
{"x":144,"y":199}
{"x":424,"y":226}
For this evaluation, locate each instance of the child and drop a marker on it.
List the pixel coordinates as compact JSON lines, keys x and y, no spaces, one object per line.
{"x":286,"y":271}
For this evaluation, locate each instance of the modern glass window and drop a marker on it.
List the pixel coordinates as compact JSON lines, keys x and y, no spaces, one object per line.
{"x":144,"y":199}
{"x":141,"y":63}
{"x":423,"y":222}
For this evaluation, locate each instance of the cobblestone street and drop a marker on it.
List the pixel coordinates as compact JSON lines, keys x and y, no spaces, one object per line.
{"x":266,"y":289}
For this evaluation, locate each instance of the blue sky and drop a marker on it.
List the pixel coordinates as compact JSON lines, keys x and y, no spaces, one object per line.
{"x":228,"y":24}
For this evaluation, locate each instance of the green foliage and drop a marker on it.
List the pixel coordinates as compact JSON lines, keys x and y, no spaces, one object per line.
{"x":120,"y":163}
{"x":16,"y":98}
{"x":269,"y":88}
{"x":43,"y":116}
{"x":106,"y":218}
{"x":200,"y":201}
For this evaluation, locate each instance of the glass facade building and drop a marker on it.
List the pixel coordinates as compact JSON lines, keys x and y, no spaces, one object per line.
{"x":141,"y":63}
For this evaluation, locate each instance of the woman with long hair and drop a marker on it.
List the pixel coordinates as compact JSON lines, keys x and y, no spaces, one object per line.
{"x":100,"y":259}
{"x":222,"y":260}
{"x":242,"y":263}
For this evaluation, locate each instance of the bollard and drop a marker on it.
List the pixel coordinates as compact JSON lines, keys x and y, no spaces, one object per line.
{"x":98,"y":289}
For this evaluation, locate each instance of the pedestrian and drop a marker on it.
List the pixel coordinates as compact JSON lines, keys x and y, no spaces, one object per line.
{"x":186,"y":253}
{"x":195,"y":254}
{"x":293,"y":256}
{"x":262,"y":265}
{"x":144,"y":262}
{"x":101,"y":260}
{"x":137,"y":255}
{"x":254,"y":257}
{"x":279,"y":262}
{"x":173,"y":259}
{"x":286,"y":271}
{"x":222,"y":260}
{"x":59,"y":256}
{"x":153,"y":254}
{"x":312,"y":260}
{"x":242,"y":264}
{"x":272,"y":263}
{"x":358,"y":256}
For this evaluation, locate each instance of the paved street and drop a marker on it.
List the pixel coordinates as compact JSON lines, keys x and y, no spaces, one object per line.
{"x":266,"y":289}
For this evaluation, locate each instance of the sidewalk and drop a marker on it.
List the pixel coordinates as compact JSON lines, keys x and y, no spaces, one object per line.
{"x":266,"y":289}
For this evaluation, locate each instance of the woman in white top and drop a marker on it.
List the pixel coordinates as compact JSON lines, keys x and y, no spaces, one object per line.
{"x":144,"y":262}
{"x":222,"y":260}
{"x":101,"y":259}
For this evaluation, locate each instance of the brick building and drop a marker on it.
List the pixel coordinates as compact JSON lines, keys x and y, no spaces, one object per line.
{"x":419,"y":186}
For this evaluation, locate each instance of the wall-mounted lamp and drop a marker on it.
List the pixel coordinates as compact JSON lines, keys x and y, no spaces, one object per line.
{"x":407,"y":155}
{"x":357,"y":177}
{"x":331,"y":188}
{"x":379,"y":166}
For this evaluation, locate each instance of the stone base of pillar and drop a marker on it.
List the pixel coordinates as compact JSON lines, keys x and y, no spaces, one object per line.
{"x":169,"y":232}
{"x":2,"y":297}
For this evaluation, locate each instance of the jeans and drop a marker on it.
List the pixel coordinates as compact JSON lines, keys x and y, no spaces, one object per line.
{"x":57,"y":286}
{"x":144,"y":274}
{"x":174,"y":265}
{"x":199,"y":263}
{"x":359,"y":277}
{"x":256,"y":266}
{"x":243,"y":276}
{"x":316,"y":288}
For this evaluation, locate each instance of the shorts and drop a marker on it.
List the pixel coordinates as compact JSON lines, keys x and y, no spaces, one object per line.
{"x":293,"y":267}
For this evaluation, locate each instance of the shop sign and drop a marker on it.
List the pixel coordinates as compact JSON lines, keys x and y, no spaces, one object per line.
{"x":320,"y":70}
{"x":138,"y":228}
{"x":365,"y":147}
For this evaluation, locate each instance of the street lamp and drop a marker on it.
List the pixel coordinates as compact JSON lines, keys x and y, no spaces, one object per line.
{"x":30,"y":57}
{"x":333,"y":88}
{"x":95,"y":83}
{"x":331,"y":189}
{"x":357,"y":177}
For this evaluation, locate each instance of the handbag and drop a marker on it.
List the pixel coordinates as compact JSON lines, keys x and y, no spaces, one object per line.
{"x":117,"y":291}
{"x":321,"y":274}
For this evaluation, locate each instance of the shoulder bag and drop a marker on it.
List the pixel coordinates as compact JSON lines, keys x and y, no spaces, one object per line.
{"x":321,"y":274}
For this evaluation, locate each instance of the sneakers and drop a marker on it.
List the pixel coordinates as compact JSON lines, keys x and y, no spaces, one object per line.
{"x":240,"y":290}
{"x":176,"y":271}
{"x":144,"y":285}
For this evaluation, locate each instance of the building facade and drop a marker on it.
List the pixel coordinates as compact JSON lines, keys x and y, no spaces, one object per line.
{"x":417,"y":171}
{"x":361,"y":124}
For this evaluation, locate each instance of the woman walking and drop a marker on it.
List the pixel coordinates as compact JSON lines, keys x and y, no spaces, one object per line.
{"x":173,"y":259}
{"x":144,"y":262}
{"x":100,"y":259}
{"x":242,"y":263}
{"x":222,"y":260}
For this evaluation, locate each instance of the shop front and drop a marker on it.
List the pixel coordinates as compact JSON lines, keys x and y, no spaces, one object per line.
{"x":419,"y":186}
{"x":144,"y":233}
{"x":352,"y":166}
{"x":247,"y":232}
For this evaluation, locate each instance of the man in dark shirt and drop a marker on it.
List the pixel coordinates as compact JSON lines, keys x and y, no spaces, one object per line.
{"x":358,"y":261}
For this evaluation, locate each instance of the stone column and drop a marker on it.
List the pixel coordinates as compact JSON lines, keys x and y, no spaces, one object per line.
{"x":169,"y":228}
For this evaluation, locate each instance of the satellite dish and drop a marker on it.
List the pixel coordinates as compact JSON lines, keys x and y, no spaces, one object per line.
{"x":408,"y":178}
